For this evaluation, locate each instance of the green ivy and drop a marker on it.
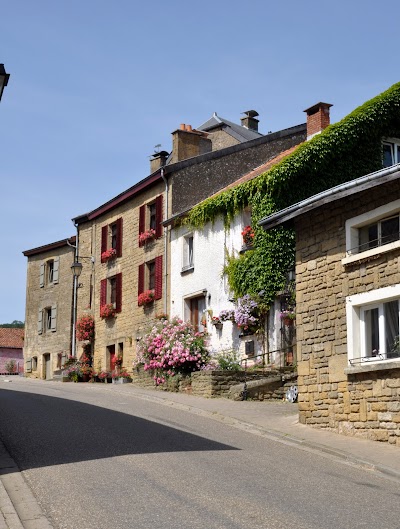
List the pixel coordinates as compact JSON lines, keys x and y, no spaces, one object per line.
{"x":342,"y":152}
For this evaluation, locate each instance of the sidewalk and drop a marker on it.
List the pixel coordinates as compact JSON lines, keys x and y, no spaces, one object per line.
{"x":274,"y":420}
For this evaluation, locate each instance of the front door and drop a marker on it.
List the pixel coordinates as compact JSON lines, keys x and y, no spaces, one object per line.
{"x":48,"y":374}
{"x":111,"y":354}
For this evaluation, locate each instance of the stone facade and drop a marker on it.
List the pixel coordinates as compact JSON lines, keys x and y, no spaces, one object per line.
{"x":362,"y":400}
{"x":118,"y":335}
{"x":48,"y":318}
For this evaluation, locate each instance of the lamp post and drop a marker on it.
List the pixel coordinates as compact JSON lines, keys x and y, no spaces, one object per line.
{"x":76,"y":271}
{"x":4,"y":77}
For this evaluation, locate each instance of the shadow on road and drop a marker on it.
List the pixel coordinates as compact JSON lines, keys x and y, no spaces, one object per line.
{"x":41,"y":431}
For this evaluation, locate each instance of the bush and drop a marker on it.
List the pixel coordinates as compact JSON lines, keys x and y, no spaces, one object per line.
{"x":228,"y":360}
{"x":11,"y":366}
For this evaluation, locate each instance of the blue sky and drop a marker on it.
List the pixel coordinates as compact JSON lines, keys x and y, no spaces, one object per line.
{"x":96,"y":84}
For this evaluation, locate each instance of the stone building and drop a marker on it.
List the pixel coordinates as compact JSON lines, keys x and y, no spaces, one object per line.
{"x":348,"y":303}
{"x":48,"y":311}
{"x":11,"y":349}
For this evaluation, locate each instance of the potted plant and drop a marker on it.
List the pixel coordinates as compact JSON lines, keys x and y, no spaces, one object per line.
{"x":216,"y":321}
{"x":288,"y":316}
{"x":248,"y":236}
{"x":147,"y":236}
{"x":107,"y":311}
{"x":108,"y":255}
{"x":103,"y":376}
{"x":121,"y":377}
{"x":146,"y":298}
{"x":85,"y":328}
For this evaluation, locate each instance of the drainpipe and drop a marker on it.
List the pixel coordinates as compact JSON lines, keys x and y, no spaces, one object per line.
{"x":165,"y":241}
{"x":74,"y":302}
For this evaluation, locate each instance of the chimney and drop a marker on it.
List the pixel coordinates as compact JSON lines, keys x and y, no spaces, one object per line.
{"x":249,"y":121}
{"x":188,"y":142}
{"x":317,"y":119}
{"x":157,"y":160}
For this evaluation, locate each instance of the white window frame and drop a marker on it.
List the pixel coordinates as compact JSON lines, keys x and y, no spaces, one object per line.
{"x":356,"y":306}
{"x":352,"y":232}
{"x":395,"y":144}
{"x":187,"y":252}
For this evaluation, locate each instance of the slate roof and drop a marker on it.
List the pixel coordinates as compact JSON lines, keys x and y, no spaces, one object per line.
{"x":237,"y":131}
{"x":11,"y":338}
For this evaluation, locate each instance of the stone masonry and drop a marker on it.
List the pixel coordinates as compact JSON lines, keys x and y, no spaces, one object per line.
{"x":364,"y":403}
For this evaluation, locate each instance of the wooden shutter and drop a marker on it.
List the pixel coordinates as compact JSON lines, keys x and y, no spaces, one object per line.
{"x":140,"y":279}
{"x":159,"y":215}
{"x":56,"y":266}
{"x":103,"y":292}
{"x":118,"y":300}
{"x":28,"y":365}
{"x":159,"y":277}
{"x":40,"y":322}
{"x":119,"y":237}
{"x":142,"y":221}
{"x":53,"y":326}
{"x":41,"y":280}
{"x":104,"y":234}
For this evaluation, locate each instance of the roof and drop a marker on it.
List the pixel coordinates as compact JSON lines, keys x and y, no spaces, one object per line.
{"x":352,"y":187}
{"x":11,"y":338}
{"x":238,"y":132}
{"x":50,"y":246}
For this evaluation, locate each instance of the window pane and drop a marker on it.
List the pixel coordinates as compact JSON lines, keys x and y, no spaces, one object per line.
{"x":368,"y":237}
{"x":398,"y":154}
{"x":152,"y":216}
{"x":372,"y":332}
{"x":114,"y":236}
{"x":391,"y":311}
{"x":113,"y":290}
{"x":389,"y":230}
{"x":151,"y":267}
{"x":388,"y":154}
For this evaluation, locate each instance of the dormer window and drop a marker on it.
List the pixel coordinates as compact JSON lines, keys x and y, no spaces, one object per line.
{"x":391,"y":152}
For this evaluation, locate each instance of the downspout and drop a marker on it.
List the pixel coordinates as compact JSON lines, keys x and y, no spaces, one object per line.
{"x":165,"y":241}
{"x":74,"y":302}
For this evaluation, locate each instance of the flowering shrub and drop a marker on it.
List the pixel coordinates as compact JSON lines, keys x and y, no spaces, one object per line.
{"x":85,"y":328}
{"x":118,"y":360}
{"x":103,"y":375}
{"x":147,"y":235}
{"x":121,"y":374}
{"x":248,"y":235}
{"x":145,"y":298}
{"x":109,"y":254}
{"x":107,"y":311}
{"x":172,"y":347}
{"x":246,"y":312}
{"x":226,"y":315}
{"x":288,"y":314}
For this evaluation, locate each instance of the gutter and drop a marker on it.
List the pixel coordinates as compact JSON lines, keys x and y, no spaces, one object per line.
{"x":165,"y":242}
{"x":330,"y":195}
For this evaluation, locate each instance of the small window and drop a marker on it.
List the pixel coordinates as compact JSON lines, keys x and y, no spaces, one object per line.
{"x":391,"y":153}
{"x":111,"y":241}
{"x":50,"y":271}
{"x":34,"y":363}
{"x":188,"y":260}
{"x":152,"y":212}
{"x":379,"y":233}
{"x":151,"y":275}
{"x":112,"y":282}
{"x":113,"y":235}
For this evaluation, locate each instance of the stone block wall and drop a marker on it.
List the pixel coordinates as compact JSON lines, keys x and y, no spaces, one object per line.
{"x":364,"y":403}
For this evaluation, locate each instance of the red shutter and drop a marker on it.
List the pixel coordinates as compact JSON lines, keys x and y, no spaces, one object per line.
{"x":141,"y":279}
{"x":159,"y":277}
{"x":104,"y":233}
{"x":119,"y":237}
{"x":103,"y":292}
{"x":118,"y":301}
{"x":142,"y":221}
{"x":159,"y":215}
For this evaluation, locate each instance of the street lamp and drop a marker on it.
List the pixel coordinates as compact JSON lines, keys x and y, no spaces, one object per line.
{"x":4,"y":77}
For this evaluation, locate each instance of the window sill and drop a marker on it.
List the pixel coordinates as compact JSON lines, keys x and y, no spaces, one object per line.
{"x":370,"y":254}
{"x":372,"y":366}
{"x":187,"y":269}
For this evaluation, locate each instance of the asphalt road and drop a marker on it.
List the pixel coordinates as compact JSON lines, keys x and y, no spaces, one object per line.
{"x":97,"y":456}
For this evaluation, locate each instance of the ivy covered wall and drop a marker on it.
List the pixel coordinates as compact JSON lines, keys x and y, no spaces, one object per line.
{"x":345,"y":150}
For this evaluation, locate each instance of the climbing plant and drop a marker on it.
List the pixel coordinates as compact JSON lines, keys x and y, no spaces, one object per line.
{"x":342,"y":152}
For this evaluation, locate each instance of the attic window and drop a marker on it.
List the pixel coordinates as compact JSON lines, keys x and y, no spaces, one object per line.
{"x":391,"y":153}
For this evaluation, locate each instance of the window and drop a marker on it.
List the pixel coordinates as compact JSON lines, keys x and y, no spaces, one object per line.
{"x":49,"y":272}
{"x":47,"y":320}
{"x":150,"y":277}
{"x":194,"y":311}
{"x":34,"y":363}
{"x":391,"y":152}
{"x":373,"y":325}
{"x":111,"y":292}
{"x":374,"y":232}
{"x":111,"y":237}
{"x":188,"y":261}
{"x":150,"y":217}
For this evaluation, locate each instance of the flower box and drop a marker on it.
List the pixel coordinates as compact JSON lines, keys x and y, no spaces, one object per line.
{"x":147,"y":236}
{"x":248,"y":236}
{"x":107,"y":311}
{"x":146,"y":298}
{"x":108,"y":255}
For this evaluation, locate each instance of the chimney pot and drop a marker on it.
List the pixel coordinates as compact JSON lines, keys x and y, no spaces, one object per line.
{"x":183,"y":126}
{"x":189,"y":128}
{"x":318,"y":118}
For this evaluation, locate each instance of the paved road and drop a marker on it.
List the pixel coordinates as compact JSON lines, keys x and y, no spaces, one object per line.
{"x":97,"y":456}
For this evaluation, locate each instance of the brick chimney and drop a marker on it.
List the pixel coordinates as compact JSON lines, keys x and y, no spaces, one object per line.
{"x":188,"y":142}
{"x":157,"y":160}
{"x":317,"y":119}
{"x":249,"y":121}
